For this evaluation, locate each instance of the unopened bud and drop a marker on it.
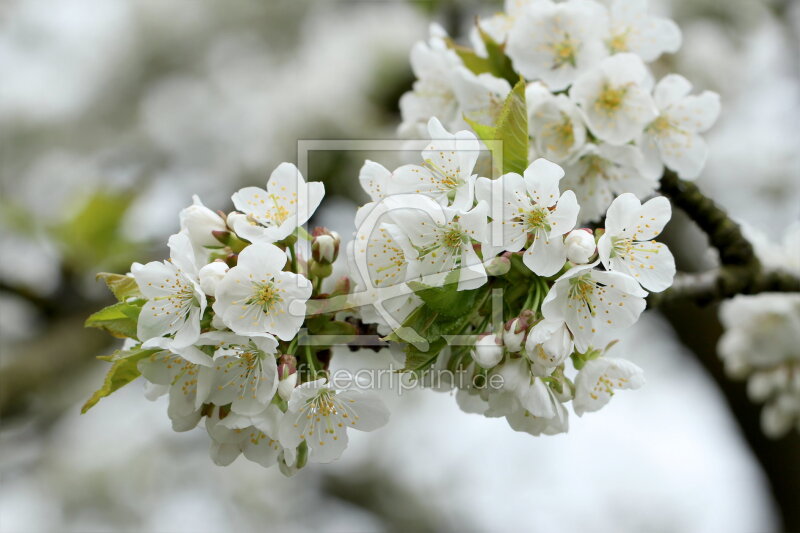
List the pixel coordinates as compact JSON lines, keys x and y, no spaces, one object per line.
{"x":287,"y":376}
{"x":210,"y":275}
{"x":580,"y":245}
{"x":514,"y":334}
{"x":199,"y":222}
{"x":286,"y":386}
{"x":287,"y":364}
{"x":498,"y":266}
{"x":488,"y":351}
{"x":343,"y":286}
{"x":325,"y":245}
{"x":319,"y":270}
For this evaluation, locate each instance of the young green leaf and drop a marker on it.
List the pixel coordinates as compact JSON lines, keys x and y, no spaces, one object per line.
{"x":446,"y":300}
{"x":119,"y":319}
{"x":499,"y":63}
{"x":123,"y":287}
{"x":511,"y":129}
{"x":471,"y":60}
{"x":123,"y":370}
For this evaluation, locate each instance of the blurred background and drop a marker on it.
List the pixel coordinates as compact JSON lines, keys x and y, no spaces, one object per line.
{"x":114,"y":112}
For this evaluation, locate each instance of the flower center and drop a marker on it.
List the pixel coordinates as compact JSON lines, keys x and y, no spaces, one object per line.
{"x":626,"y":248}
{"x":447,"y":178}
{"x":581,"y":288}
{"x":565,"y":52}
{"x":266,"y":295}
{"x":536,"y":219}
{"x":453,"y":238}
{"x":619,"y":42}
{"x":610,"y":99}
{"x":324,"y":404}
{"x":562,"y":133}
{"x":660,"y":125}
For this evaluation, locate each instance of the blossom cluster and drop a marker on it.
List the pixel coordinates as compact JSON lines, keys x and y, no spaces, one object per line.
{"x":502,"y":273}
{"x":593,"y":104}
{"x":453,"y":236}
{"x":216,"y":329}
{"x":762,"y":340}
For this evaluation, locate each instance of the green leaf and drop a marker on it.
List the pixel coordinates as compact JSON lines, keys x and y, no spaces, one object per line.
{"x":499,"y":63}
{"x":471,"y":60}
{"x":415,"y":328}
{"x":417,"y":361}
{"x":123,"y":370}
{"x":119,"y":319}
{"x":123,"y":287}
{"x":511,"y":129}
{"x":446,"y":300}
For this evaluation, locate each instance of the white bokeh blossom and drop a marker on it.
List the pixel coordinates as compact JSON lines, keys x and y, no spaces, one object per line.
{"x":615,"y":99}
{"x":673,"y":139}
{"x":556,"y":42}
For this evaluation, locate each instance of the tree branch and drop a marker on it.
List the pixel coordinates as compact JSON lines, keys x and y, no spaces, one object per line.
{"x":712,"y":286}
{"x":723,"y":233}
{"x":740,"y":272}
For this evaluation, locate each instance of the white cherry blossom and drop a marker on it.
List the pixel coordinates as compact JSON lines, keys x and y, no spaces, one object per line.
{"x":627,"y":245}
{"x":555,"y":123}
{"x":548,"y":345}
{"x":320,"y":415}
{"x":530,"y":206}
{"x":480,"y":96}
{"x":176,"y":375}
{"x":234,"y":435}
{"x":375,"y":179}
{"x":387,"y":252}
{"x":442,"y":239}
{"x":520,"y":391}
{"x":673,"y":138}
{"x":198,"y":222}
{"x":175,"y":302}
{"x":256,"y":297}
{"x":273,"y":214}
{"x":498,"y":25}
{"x":588,"y":300}
{"x":600,"y":172}
{"x":632,"y":29}
{"x":244,"y":372}
{"x":614,"y":98}
{"x":446,"y":172}
{"x":527,"y":422}
{"x":598,"y":379}
{"x":555,"y":42}
{"x":433,"y":94}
